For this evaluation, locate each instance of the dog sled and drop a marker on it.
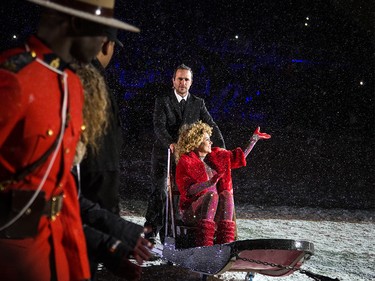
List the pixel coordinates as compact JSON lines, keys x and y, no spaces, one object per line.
{"x":271,"y":257}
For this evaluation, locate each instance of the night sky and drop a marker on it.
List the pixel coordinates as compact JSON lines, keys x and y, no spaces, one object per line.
{"x":302,"y":70}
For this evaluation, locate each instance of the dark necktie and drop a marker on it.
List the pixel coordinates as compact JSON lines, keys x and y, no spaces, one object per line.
{"x":182,"y":106}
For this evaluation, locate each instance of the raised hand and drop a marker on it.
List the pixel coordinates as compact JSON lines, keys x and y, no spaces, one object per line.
{"x":257,"y":135}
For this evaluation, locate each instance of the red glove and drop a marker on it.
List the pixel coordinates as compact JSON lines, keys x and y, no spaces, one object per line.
{"x":258,"y":135}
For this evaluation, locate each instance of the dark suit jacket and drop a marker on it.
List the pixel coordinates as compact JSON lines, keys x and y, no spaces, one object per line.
{"x":110,"y":144}
{"x":100,"y":172}
{"x":168,"y":119}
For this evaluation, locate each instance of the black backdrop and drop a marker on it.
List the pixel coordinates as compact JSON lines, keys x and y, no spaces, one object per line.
{"x":302,"y":71}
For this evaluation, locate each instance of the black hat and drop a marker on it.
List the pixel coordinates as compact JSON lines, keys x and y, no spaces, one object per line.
{"x":111,"y":33}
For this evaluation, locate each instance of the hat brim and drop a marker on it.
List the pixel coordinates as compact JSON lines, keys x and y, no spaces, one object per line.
{"x":102,"y":20}
{"x":119,"y":43}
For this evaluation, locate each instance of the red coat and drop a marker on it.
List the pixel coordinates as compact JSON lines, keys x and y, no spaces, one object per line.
{"x":190,"y":170}
{"x":30,"y":120}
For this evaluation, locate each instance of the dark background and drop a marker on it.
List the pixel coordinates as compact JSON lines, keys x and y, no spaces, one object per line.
{"x":301,"y":70}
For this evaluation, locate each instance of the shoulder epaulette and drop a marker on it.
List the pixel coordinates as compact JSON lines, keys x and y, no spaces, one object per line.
{"x":17,"y":62}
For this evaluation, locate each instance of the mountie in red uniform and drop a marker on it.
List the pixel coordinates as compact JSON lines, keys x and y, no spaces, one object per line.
{"x":33,"y":82}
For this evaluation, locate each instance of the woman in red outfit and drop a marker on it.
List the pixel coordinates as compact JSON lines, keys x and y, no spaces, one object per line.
{"x":203,"y":177}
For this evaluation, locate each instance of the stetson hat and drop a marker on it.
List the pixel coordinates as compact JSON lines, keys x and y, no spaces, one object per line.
{"x":100,"y":11}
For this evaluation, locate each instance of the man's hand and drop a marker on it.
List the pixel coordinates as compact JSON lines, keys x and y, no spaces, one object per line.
{"x":172,"y":147}
{"x":141,"y":251}
{"x":117,"y":262}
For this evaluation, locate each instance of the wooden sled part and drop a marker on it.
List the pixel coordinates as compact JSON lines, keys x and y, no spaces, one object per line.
{"x":272,"y":257}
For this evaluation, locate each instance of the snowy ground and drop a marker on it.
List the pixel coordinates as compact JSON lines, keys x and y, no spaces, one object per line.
{"x":344,"y":247}
{"x":342,"y":250}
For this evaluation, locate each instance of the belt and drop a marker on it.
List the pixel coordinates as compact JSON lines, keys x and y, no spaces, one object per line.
{"x":5,"y":184}
{"x":53,"y":206}
{"x":27,"y":225}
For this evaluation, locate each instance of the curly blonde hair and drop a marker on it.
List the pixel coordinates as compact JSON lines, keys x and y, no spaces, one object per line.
{"x":190,"y":137}
{"x":96,"y":105}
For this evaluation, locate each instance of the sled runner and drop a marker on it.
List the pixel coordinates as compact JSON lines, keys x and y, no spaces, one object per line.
{"x":272,"y":257}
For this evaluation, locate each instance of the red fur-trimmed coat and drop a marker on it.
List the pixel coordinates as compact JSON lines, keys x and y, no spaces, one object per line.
{"x":191,"y":170}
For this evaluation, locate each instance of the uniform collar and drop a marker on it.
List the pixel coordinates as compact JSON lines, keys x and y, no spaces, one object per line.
{"x":43,"y":52}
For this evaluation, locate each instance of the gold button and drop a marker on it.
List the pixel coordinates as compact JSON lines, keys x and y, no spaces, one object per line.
{"x":55,"y":63}
{"x":33,"y":54}
{"x":67,"y":150}
{"x":50,"y":132}
{"x":28,"y":212}
{"x":83,"y":127}
{"x":60,"y":185}
{"x":53,"y":218}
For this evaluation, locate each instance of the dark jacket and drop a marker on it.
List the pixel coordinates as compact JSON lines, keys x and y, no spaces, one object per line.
{"x":100,"y":181}
{"x":100,"y":172}
{"x":168,"y":119}
{"x":102,"y":229}
{"x":110,"y":144}
{"x":103,"y":220}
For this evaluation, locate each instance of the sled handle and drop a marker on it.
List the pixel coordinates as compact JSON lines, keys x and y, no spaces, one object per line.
{"x":169,"y":199}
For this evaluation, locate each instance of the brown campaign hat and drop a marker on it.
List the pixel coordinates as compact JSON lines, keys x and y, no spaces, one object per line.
{"x":100,"y":11}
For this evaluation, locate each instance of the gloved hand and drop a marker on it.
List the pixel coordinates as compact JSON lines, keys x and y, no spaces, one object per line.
{"x":257,"y":135}
{"x":118,"y":263}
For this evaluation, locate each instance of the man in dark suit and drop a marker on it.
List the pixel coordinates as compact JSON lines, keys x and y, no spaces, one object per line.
{"x":110,"y":239}
{"x":172,"y":110}
{"x":100,"y":170}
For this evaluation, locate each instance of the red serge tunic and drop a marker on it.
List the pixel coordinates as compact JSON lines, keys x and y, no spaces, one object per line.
{"x":191,"y":170}
{"x":30,"y":121}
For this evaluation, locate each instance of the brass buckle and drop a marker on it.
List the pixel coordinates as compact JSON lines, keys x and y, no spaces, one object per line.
{"x":5,"y":184}
{"x":56,"y":205}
